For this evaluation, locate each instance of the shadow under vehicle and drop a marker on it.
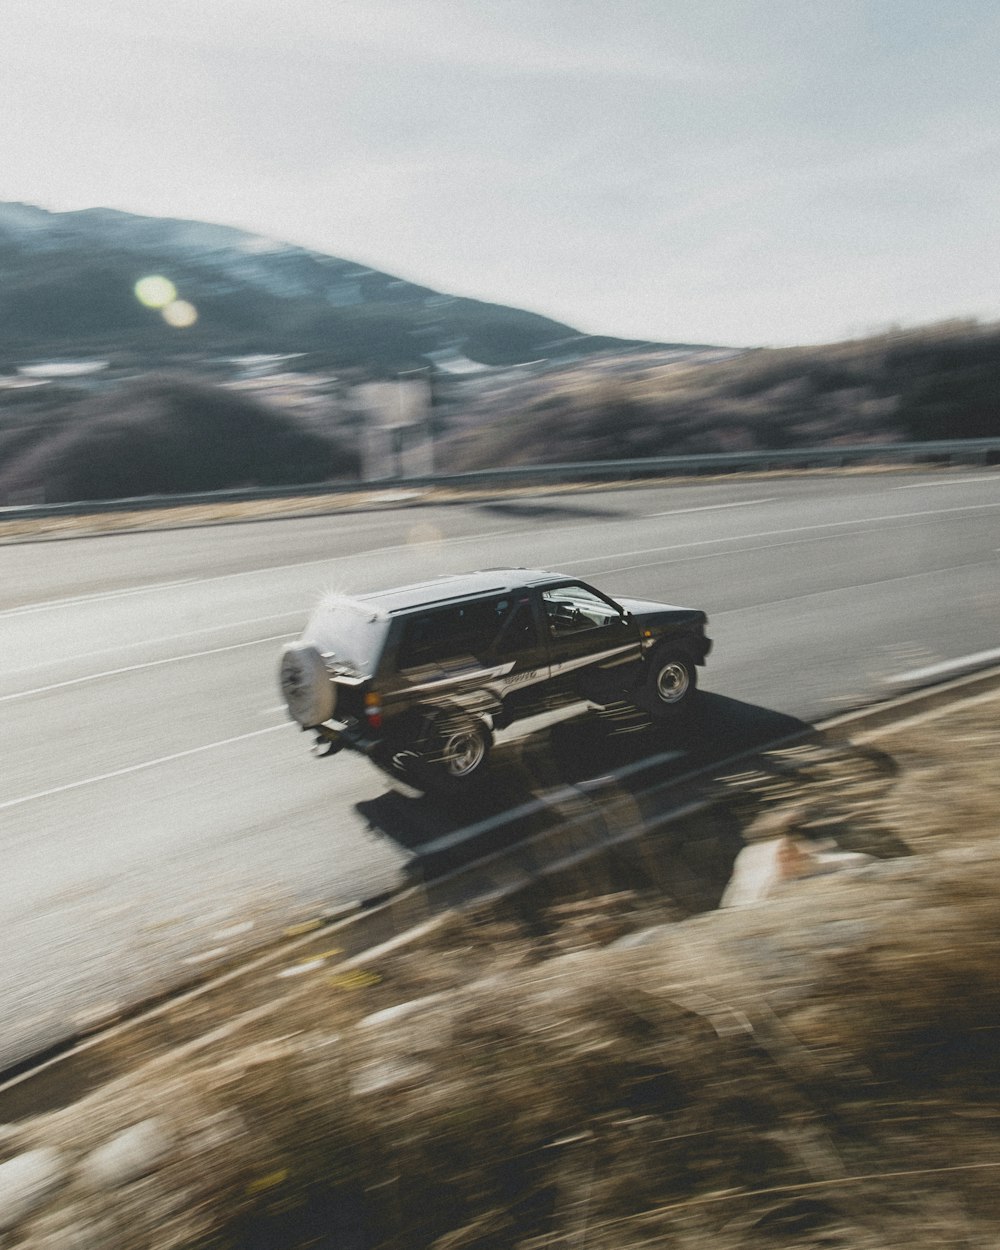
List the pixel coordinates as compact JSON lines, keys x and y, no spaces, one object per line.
{"x":419,"y":678}
{"x":583,"y":766}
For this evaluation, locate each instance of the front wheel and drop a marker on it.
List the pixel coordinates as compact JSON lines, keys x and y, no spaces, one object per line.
{"x":670,"y":685}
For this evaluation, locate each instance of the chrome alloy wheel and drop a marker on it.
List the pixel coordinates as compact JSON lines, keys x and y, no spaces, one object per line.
{"x":463,"y":751}
{"x":673,"y":681}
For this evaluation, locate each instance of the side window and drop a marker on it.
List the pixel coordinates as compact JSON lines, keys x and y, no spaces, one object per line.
{"x":519,"y":632}
{"x":459,"y":633}
{"x":578,"y":610}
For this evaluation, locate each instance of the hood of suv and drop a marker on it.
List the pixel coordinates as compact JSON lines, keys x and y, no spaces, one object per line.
{"x":649,"y":613}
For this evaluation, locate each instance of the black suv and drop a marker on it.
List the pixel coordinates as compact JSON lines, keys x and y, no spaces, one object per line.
{"x":418,"y":677}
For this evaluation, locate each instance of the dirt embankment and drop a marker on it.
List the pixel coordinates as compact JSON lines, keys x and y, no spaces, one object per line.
{"x":820,"y":1069}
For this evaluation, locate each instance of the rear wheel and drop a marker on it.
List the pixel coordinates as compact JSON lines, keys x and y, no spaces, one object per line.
{"x":453,"y":755}
{"x":464,"y":750}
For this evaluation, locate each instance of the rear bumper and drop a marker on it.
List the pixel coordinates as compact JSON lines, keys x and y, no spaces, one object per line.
{"x":338,"y":737}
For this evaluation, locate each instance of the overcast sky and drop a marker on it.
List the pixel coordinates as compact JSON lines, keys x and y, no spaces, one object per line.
{"x":722,"y":171}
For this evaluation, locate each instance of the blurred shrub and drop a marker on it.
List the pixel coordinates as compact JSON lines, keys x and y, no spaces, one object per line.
{"x":939,"y":382}
{"x":170,"y":436}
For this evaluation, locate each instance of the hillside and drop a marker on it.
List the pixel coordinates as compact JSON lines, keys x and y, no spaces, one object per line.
{"x":67,"y":289}
{"x":72,"y":439}
{"x":223,"y":299}
{"x":909,"y":386}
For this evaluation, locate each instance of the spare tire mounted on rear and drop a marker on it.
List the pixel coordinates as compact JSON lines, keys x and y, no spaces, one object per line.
{"x":305,"y":684}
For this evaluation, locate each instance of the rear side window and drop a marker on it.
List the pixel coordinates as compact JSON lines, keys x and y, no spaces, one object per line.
{"x":460,"y":632}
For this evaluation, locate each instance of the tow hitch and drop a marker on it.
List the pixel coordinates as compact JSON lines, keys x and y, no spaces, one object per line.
{"x":328,"y":741}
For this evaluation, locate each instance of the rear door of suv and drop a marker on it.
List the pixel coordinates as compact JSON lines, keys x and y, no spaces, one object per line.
{"x":493,"y":644}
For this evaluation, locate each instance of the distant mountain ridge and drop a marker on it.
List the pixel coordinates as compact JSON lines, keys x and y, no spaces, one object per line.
{"x":67,"y":288}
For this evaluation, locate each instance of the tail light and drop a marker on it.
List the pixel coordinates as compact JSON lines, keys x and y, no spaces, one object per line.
{"x":373,"y":710}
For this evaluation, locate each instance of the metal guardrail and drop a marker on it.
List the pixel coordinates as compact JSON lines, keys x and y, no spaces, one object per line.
{"x":962,"y":451}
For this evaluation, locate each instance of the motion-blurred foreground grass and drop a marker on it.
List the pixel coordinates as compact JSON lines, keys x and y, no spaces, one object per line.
{"x":817,"y":1070}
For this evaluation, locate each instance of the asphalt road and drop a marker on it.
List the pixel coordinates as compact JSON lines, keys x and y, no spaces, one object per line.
{"x":158,"y":812}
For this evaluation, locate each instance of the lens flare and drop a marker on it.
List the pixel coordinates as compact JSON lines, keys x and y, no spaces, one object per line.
{"x":180,"y":314}
{"x":424,"y":532}
{"x":155,"y":291}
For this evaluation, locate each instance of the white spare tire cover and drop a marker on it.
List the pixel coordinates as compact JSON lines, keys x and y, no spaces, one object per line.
{"x":310,"y":694}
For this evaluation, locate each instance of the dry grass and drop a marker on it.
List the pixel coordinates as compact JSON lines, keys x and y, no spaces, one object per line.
{"x":178,"y":517}
{"x":935,"y":382}
{"x":819,"y":1070}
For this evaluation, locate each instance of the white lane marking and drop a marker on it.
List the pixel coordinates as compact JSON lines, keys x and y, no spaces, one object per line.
{"x":132,"y":668}
{"x":871,"y":521}
{"x":720,"y":555}
{"x":487,"y":538}
{"x":712,"y":507}
{"x":955,"y":481}
{"x":135,"y":768}
{"x":272,"y":568}
{"x":300,"y":613}
{"x":977,"y":660}
{"x":97,"y":596}
{"x":839,"y":590}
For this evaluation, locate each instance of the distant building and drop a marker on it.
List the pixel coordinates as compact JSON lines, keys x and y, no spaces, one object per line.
{"x":396,"y":440}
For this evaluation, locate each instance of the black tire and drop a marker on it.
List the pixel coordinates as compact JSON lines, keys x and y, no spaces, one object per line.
{"x":670,"y":685}
{"x":454,"y":756}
